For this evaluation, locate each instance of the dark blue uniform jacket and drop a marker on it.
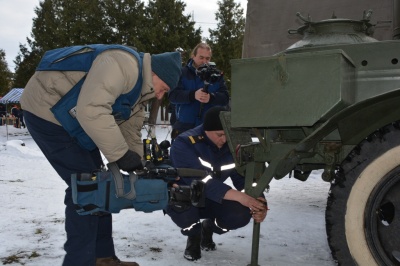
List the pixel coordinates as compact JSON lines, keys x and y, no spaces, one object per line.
{"x":193,"y":144}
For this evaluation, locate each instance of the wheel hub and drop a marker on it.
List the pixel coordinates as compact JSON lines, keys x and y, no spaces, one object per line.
{"x":382,"y":219}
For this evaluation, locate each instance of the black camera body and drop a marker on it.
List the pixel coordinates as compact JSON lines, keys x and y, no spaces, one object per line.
{"x":185,"y":196}
{"x":209,"y":72}
{"x":158,"y":167}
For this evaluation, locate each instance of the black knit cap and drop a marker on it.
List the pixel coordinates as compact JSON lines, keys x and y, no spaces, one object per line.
{"x":211,"y":119}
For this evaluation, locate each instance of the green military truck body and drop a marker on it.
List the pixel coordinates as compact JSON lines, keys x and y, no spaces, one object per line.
{"x":330,"y":101}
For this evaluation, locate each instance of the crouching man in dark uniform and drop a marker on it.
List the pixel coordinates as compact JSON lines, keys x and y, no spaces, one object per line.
{"x":225,"y":208}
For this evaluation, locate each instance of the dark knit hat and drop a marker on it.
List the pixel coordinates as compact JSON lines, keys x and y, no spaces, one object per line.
{"x":211,"y":119}
{"x":167,"y":66}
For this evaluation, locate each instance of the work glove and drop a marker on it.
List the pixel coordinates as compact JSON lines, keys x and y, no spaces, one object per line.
{"x":130,"y":162}
{"x":149,"y":165}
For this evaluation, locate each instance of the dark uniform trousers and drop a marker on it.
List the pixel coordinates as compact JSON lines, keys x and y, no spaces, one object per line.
{"x":88,"y":237}
{"x":227,"y":215}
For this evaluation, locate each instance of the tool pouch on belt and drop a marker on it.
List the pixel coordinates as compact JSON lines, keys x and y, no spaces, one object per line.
{"x":110,"y":191}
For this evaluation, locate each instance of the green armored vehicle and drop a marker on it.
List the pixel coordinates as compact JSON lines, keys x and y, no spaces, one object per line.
{"x":330,"y":101}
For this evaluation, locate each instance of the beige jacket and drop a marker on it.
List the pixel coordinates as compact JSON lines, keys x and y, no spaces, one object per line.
{"x":113,"y":72}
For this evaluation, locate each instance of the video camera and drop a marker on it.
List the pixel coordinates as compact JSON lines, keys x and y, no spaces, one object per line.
{"x":209,"y":72}
{"x":150,"y":189}
{"x":158,"y":167}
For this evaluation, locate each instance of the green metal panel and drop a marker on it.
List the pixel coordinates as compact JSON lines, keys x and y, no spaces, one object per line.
{"x":291,"y":89}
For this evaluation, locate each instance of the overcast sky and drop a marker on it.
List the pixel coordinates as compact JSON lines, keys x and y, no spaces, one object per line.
{"x":16,"y":21}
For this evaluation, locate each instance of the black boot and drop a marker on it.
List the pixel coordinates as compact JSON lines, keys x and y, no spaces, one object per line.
{"x":207,"y":242}
{"x":193,"y":251}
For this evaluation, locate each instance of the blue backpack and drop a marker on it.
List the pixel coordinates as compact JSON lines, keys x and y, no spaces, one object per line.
{"x":80,"y":58}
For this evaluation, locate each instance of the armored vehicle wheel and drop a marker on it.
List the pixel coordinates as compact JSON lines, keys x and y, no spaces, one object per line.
{"x":363,"y":209}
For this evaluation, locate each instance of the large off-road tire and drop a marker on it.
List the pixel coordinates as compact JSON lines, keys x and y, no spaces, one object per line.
{"x":363,"y":209}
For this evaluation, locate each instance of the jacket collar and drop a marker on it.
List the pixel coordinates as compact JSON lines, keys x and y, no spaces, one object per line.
{"x":191,"y":66}
{"x":147,"y":87}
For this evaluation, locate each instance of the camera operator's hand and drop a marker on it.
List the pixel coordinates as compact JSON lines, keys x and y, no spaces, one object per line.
{"x":130,"y":162}
{"x":149,"y":165}
{"x":201,"y":96}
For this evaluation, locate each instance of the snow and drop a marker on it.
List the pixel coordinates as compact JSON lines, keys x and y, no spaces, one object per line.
{"x":32,"y":223}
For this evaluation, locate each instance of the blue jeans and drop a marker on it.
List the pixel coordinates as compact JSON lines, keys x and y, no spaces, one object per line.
{"x":88,"y":237}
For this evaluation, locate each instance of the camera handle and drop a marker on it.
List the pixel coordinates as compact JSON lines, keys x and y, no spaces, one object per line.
{"x":206,"y":84}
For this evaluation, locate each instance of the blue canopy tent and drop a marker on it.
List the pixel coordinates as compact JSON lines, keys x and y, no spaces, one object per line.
{"x":12,"y":96}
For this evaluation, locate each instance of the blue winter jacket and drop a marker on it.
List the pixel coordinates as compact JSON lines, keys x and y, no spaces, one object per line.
{"x":189,"y":111}
{"x":193,"y":144}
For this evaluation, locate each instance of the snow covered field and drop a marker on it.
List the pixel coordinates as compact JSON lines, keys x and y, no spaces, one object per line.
{"x":32,"y":219}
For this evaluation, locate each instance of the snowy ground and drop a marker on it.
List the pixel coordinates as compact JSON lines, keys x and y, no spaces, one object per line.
{"x":32,"y":224}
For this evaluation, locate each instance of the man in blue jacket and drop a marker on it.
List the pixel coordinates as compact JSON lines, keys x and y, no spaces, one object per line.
{"x":224,"y":208}
{"x":191,"y":97}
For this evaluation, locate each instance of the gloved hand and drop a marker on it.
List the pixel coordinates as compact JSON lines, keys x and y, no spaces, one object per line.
{"x":149,"y":165}
{"x":130,"y":162}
